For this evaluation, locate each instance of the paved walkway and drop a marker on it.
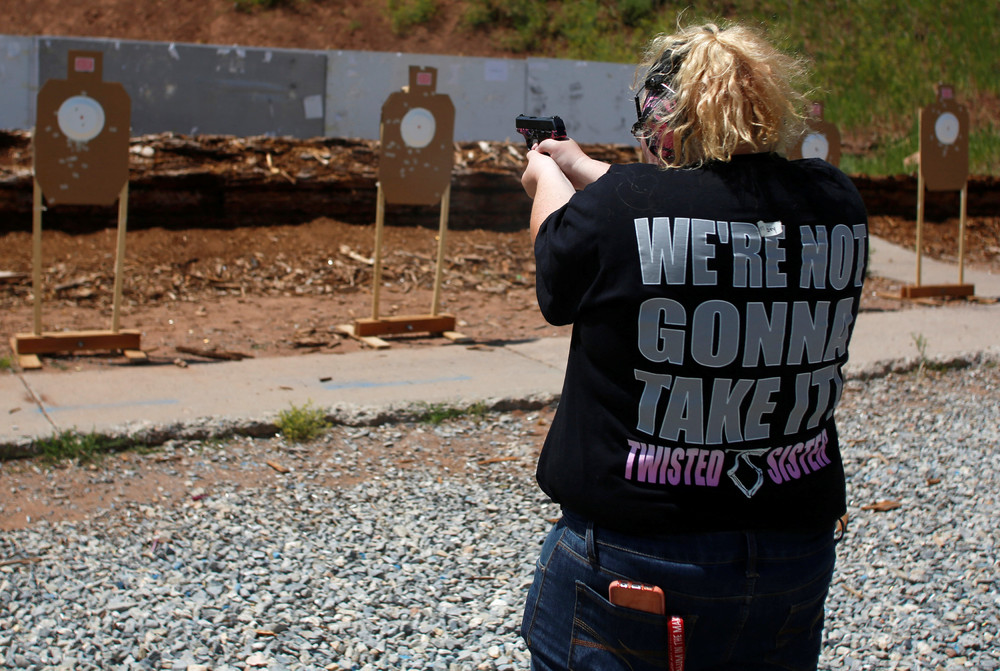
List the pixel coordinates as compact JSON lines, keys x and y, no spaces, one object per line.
{"x":158,"y":402}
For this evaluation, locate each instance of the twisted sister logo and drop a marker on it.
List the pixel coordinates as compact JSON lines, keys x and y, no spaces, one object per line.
{"x":662,"y":465}
{"x":792,"y":349}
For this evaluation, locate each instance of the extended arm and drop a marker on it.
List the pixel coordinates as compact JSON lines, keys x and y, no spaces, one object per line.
{"x":556,"y":169}
{"x":579,"y":168}
{"x":547,"y":186}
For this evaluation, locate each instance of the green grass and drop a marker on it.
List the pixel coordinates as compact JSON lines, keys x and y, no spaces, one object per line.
{"x":6,"y":363}
{"x":984,"y":151}
{"x":300,"y":424}
{"x":586,"y":29}
{"x":71,"y":445}
{"x":887,"y":158}
{"x":438,"y":413}
{"x":404,"y":14}
{"x":874,"y":63}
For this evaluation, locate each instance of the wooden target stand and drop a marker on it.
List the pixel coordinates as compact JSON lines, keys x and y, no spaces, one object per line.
{"x":414,"y":169}
{"x":80,"y":150}
{"x":433,"y":323}
{"x":27,"y":346}
{"x":944,"y":166}
{"x":958,"y":290}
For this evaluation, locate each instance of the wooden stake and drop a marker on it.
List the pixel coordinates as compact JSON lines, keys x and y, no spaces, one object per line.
{"x":442,"y":235}
{"x":920,"y":222}
{"x":377,"y":268}
{"x":36,"y":257}
{"x":963,"y":197}
{"x":119,"y":257}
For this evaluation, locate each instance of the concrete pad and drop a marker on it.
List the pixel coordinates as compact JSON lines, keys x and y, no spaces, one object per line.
{"x":934,"y":334}
{"x":897,"y":263}
{"x":157,"y":402}
{"x":20,"y":418}
{"x":254,"y":391}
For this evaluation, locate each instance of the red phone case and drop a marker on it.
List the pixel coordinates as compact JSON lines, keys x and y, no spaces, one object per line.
{"x":637,"y":595}
{"x":649,"y":598}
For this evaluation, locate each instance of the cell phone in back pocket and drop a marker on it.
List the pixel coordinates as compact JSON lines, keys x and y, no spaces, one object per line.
{"x":637,"y":595}
{"x":650,"y":599}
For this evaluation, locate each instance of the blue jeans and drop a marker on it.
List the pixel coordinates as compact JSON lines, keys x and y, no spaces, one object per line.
{"x":750,"y":600}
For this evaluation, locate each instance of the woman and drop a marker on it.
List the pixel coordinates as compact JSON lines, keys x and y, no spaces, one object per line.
{"x":713,"y":290}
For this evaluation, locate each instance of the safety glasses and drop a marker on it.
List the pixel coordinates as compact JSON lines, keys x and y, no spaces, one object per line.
{"x":654,"y":90}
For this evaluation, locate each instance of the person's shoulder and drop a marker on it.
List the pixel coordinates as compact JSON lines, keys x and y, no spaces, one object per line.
{"x":627,"y":170}
{"x":818,"y":167}
{"x":616,"y":175}
{"x":826,"y":177}
{"x":639,"y":173}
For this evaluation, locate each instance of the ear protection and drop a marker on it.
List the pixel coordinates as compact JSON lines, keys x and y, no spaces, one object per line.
{"x":657,"y":89}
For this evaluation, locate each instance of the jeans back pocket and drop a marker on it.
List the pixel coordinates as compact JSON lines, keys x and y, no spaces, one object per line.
{"x":607,"y":637}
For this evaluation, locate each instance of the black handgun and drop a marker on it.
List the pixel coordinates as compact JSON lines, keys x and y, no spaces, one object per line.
{"x":538,"y":128}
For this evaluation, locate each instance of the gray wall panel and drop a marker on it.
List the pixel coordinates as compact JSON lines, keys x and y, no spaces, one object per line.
{"x":206,"y":89}
{"x":234,"y":90}
{"x":487,"y":92}
{"x":18,"y":82}
{"x":594,"y":99}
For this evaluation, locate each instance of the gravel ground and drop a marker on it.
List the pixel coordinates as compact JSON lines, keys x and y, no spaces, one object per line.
{"x":420,"y":563}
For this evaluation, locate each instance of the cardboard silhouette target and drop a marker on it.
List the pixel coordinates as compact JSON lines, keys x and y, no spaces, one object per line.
{"x":417,"y":156}
{"x":944,"y":143}
{"x":80,"y":154}
{"x":82,"y":135}
{"x":944,"y":166}
{"x":821,"y":140}
{"x":418,"y":127}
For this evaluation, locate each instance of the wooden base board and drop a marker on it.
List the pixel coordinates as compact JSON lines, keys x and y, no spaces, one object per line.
{"x":455,"y":336}
{"x":931,"y":290}
{"x":405,"y":324}
{"x":29,"y":361}
{"x":370,"y":341}
{"x":365,"y":329}
{"x":27,"y":346}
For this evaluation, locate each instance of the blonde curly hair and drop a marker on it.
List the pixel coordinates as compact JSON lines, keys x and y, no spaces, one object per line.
{"x":728,"y":91}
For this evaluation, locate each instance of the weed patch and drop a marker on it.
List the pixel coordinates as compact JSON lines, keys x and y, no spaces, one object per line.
{"x":300,"y":424}
{"x":404,"y":14}
{"x":438,"y":413}
{"x":71,"y":445}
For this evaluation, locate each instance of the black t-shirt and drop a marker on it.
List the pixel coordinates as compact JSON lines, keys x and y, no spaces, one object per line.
{"x":712,"y":310}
